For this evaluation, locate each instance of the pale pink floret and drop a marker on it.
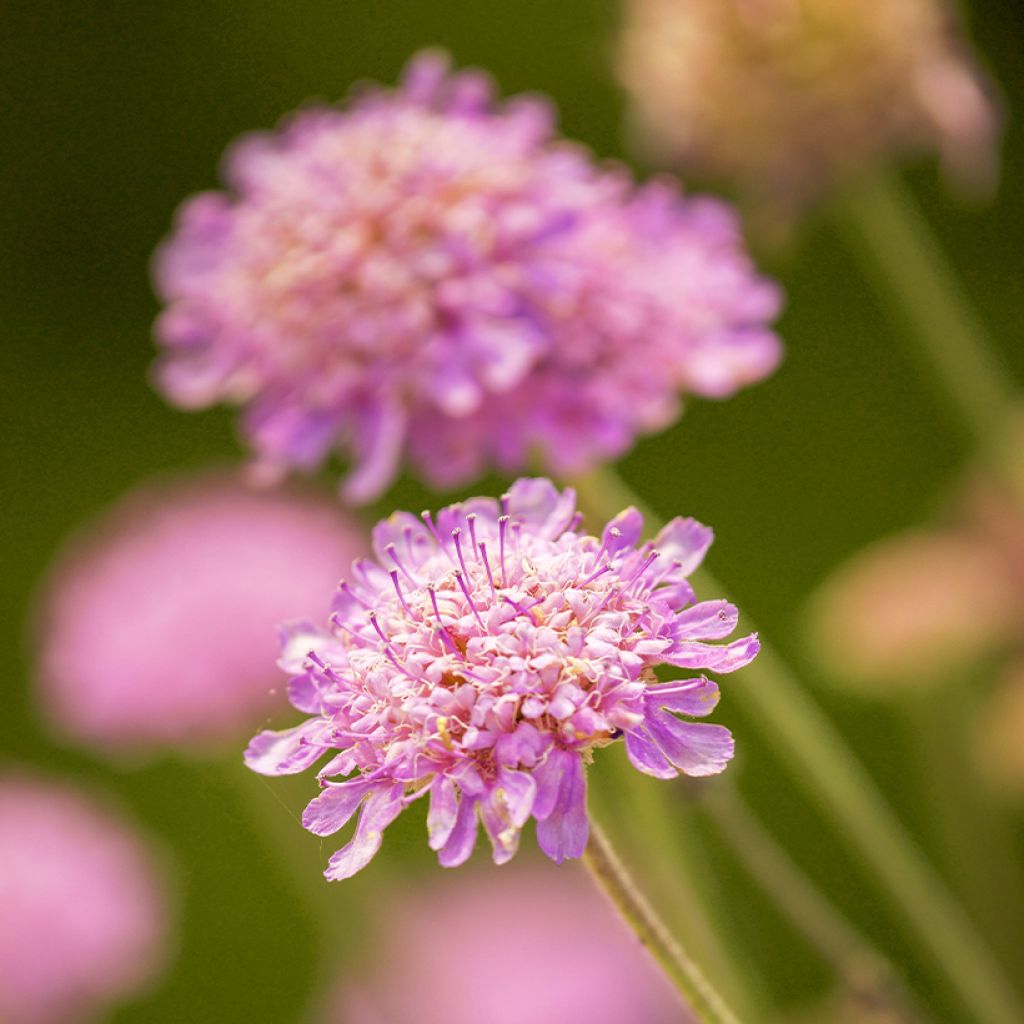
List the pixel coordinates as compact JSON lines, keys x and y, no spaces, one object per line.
{"x":520,"y":946}
{"x":82,"y":915}
{"x":483,"y":656}
{"x":429,"y":274}
{"x":157,"y":625}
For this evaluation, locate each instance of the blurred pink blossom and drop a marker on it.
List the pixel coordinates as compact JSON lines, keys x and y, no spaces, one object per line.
{"x":159,"y":622}
{"x":784,"y":99}
{"x":82,"y":911}
{"x":524,"y":946}
{"x":430,"y":274}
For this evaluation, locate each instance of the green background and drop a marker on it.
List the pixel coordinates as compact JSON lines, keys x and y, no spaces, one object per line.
{"x":114,"y":112}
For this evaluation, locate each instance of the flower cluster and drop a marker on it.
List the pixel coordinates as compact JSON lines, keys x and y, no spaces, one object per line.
{"x":428,"y":274}
{"x":781,"y":98}
{"x":83,"y":917}
{"x":582,"y":962}
{"x":157,"y":624}
{"x":481,"y":659}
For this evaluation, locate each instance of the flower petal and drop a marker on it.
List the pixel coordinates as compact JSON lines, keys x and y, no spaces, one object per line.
{"x":709,"y":620}
{"x":725,"y":658}
{"x":645,"y":756}
{"x":695,"y":748}
{"x":695,"y":697}
{"x":685,"y":541}
{"x":379,"y":438}
{"x":564,"y":830}
{"x":539,"y":504}
{"x":629,"y":525}
{"x":331,"y":810}
{"x":382,"y":807}
{"x":288,"y":751}
{"x":443,"y":813}
{"x":463,"y":838}
{"x":505,"y":810}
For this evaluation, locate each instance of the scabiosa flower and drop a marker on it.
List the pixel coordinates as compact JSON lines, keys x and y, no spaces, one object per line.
{"x":427,"y":273}
{"x":781,"y":98}
{"x":157,"y":624}
{"x":581,"y":962}
{"x":484,"y":656}
{"x":82,"y":906}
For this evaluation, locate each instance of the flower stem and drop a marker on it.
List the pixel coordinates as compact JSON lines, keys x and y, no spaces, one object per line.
{"x":611,"y":875}
{"x":819,"y":758}
{"x":662,"y":843}
{"x":898,"y":250}
{"x":867,"y":975}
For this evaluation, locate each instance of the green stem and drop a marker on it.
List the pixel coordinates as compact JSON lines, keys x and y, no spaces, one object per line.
{"x":611,"y":875}
{"x":663,"y":845}
{"x":868,"y":976}
{"x":899,"y":252}
{"x":819,"y":757}
{"x":969,"y":833}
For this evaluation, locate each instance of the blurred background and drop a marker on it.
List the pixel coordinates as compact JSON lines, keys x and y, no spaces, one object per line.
{"x":114,"y":114}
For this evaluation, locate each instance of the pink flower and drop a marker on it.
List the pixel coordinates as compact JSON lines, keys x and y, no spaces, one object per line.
{"x":785,"y":101}
{"x":482,"y":658}
{"x":157,"y":625}
{"x":82,"y":917}
{"x":427,"y":273}
{"x":560,"y":955}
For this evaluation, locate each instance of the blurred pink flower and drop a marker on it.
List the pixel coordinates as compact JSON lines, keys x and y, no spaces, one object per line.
{"x":915,"y":609}
{"x":82,"y":916}
{"x":480,"y":661}
{"x":783,"y":99}
{"x":431,"y":274}
{"x":530,"y":947}
{"x":159,"y":623}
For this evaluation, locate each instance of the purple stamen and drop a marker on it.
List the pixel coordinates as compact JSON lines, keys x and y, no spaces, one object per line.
{"x":594,"y":575}
{"x":502,"y":527}
{"x":389,"y":651}
{"x":401,"y":597}
{"x":323,"y":666}
{"x":448,"y":642}
{"x":457,"y":539}
{"x":428,"y":519}
{"x":393,"y":555}
{"x":487,"y":566}
{"x":471,"y":522}
{"x":469,"y":597}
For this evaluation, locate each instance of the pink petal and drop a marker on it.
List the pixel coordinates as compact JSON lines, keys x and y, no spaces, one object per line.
{"x":383,"y":806}
{"x":727,"y":658}
{"x":443,"y":813}
{"x":288,"y":751}
{"x":685,"y":541}
{"x":505,"y":810}
{"x":695,"y":697}
{"x":709,"y":620}
{"x":646,"y":757}
{"x":564,"y":829}
{"x":463,"y":838}
{"x":695,"y":748}
{"x":629,"y":524}
{"x":331,"y":810}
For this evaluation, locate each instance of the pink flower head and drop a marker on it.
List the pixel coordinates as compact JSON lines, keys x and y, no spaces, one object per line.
{"x":428,"y":273}
{"x":82,"y":917}
{"x":560,"y":956}
{"x":484,"y":656}
{"x":157,"y":627}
